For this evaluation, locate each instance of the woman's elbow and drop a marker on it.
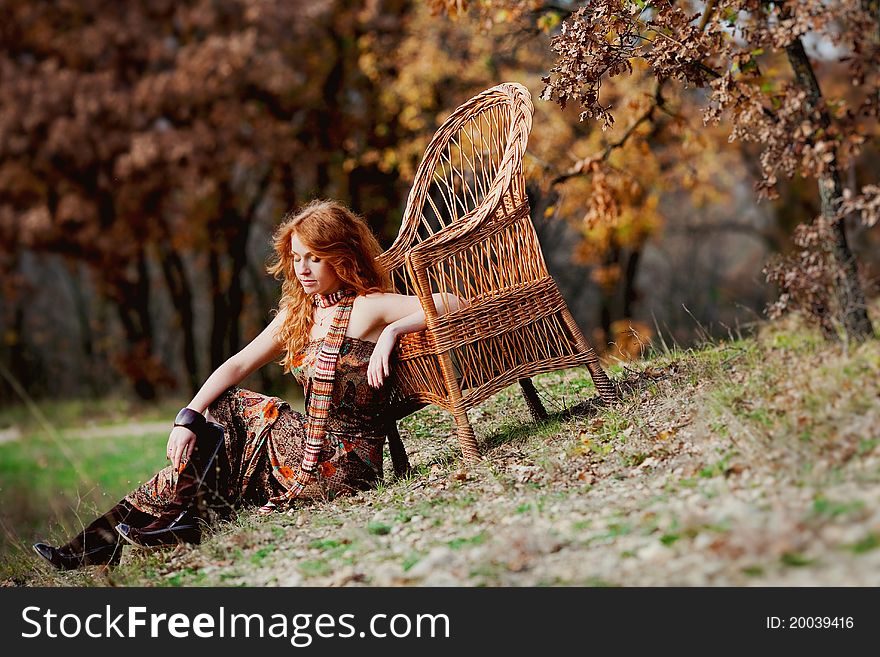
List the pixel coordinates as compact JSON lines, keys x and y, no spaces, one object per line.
{"x":234,"y":370}
{"x":448,"y":302}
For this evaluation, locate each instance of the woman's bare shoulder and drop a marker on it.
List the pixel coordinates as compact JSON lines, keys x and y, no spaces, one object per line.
{"x":379,"y":298}
{"x":387,"y":306}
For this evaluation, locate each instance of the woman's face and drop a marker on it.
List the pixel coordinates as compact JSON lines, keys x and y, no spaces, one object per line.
{"x":314,"y":274}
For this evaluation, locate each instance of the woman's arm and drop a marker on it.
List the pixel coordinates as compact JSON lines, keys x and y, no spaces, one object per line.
{"x":261,"y":350}
{"x":401,"y":315}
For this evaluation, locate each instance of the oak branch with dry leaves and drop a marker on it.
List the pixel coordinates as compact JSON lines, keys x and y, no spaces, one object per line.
{"x":756,"y":62}
{"x":725,"y":46}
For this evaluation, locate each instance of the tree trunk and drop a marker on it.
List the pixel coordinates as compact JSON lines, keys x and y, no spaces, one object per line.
{"x":133,"y":306}
{"x":180,"y":290}
{"x":18,"y":361}
{"x":235,"y":293}
{"x":630,"y":293}
{"x":228,"y":295}
{"x":609,"y":306}
{"x":265,"y":305}
{"x":851,"y":296}
{"x":81,"y":309}
{"x":219,"y":311}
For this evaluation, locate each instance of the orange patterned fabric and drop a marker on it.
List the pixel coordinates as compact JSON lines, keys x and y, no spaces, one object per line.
{"x":265,"y":439}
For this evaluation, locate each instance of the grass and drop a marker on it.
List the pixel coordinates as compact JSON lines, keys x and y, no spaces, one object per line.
{"x":45,"y":495}
{"x":871,"y":541}
{"x":741,"y":452}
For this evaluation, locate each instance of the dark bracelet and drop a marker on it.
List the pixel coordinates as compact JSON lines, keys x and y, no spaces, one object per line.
{"x":190,"y":419}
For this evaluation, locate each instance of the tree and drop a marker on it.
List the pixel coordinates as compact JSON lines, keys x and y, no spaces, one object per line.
{"x":150,"y":136}
{"x":726,"y":47}
{"x":614,"y":186}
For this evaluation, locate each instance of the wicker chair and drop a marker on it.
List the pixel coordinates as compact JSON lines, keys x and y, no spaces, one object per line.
{"x":466,"y":231}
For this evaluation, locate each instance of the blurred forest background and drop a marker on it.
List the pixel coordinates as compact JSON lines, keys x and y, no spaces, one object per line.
{"x":148,"y":148}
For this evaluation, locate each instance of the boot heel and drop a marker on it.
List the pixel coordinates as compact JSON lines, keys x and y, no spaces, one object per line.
{"x":186,"y":531}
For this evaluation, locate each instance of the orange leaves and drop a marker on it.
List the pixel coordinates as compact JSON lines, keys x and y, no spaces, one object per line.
{"x":603,"y":207}
{"x":452,"y":8}
{"x":620,"y":213}
{"x":630,"y":339}
{"x":666,"y":434}
{"x":606,"y":276}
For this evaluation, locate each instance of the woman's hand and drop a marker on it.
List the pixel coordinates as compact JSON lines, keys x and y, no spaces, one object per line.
{"x":181,"y":443}
{"x":380,"y":362}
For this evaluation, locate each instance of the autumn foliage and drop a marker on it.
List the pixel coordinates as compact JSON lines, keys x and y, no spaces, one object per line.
{"x":152,"y":137}
{"x":150,"y":146}
{"x":744,"y":64}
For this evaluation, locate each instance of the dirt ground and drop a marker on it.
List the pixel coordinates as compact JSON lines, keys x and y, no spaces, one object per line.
{"x":755,"y":462}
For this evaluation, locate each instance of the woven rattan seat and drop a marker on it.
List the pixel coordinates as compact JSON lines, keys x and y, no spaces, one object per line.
{"x":466,"y":231}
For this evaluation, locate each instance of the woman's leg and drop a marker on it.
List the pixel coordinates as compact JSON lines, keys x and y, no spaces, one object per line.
{"x":196,"y":489}
{"x":230,"y":466}
{"x":98,"y":543}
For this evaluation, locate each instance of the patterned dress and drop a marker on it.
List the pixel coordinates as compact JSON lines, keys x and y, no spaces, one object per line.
{"x":265,"y":439}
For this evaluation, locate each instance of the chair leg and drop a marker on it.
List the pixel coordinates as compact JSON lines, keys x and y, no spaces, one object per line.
{"x":600,"y":379}
{"x":399,"y":459}
{"x":536,"y":408}
{"x":466,"y":437}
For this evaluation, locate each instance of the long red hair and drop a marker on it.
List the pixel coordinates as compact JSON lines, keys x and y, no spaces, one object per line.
{"x":333,"y":232}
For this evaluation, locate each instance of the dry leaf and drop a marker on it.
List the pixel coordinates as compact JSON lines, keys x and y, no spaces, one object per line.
{"x":586,"y":476}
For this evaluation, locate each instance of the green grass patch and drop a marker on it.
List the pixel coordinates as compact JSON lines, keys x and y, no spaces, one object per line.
{"x":717,"y":469}
{"x":258,"y":556}
{"x":315,"y":568}
{"x":825,"y":507}
{"x":867,"y":445}
{"x":870,"y":542}
{"x":47,"y":496}
{"x":378,"y":528}
{"x":795,"y":559}
{"x":411,"y":560}
{"x":458,"y":543}
{"x":186,"y":577}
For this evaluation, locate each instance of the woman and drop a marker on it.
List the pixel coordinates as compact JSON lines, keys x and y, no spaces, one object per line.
{"x":335,"y":329}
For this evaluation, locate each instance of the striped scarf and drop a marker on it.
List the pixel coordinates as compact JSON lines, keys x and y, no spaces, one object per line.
{"x":321,"y":389}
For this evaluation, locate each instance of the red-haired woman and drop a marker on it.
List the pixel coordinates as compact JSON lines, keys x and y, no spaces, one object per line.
{"x":336,"y":326}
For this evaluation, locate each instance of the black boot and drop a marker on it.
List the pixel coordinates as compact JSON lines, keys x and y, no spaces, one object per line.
{"x":98,"y":544}
{"x":63,"y":559}
{"x":181,"y":522}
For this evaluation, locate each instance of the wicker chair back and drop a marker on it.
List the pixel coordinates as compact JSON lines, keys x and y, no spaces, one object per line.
{"x":466,"y":231}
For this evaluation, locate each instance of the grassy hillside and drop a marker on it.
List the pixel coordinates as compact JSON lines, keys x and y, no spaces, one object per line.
{"x":746,"y":462}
